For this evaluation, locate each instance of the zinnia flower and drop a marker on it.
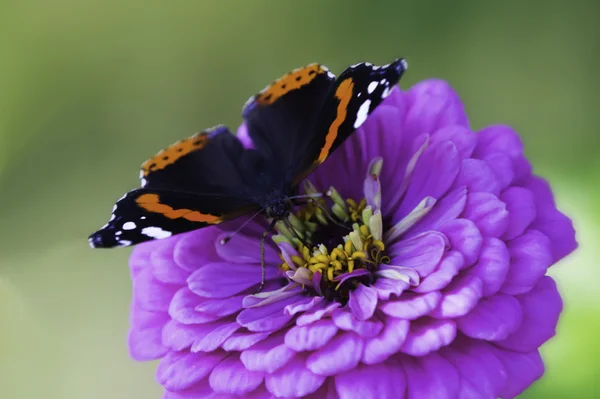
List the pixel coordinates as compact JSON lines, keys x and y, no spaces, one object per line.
{"x":425,"y":276}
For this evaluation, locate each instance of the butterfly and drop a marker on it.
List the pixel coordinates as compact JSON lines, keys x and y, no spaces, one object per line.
{"x":295,"y":123}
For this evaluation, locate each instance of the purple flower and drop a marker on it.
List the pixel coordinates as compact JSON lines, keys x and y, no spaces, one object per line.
{"x":427,"y":278}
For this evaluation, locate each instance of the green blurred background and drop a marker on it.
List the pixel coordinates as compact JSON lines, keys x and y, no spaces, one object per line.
{"x":89,"y":89}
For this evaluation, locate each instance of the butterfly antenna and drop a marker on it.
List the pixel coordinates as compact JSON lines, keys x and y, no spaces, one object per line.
{"x":230,"y":236}
{"x":313,"y":195}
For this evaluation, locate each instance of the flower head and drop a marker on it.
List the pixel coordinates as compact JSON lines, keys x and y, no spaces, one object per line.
{"x":420,"y":273}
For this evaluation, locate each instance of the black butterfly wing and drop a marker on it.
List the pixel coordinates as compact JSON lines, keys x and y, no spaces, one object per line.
{"x":203,"y":180}
{"x":213,"y":161}
{"x":148,"y":214}
{"x":283,"y":115}
{"x":356,"y":94}
{"x":301,"y":118}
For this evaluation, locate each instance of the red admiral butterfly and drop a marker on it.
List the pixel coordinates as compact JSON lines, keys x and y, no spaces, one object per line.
{"x":295,"y":123}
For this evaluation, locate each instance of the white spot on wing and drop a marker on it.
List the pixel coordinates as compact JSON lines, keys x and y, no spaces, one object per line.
{"x":362,"y":114}
{"x":330,"y":74}
{"x":372,"y":86}
{"x":404,"y":64}
{"x":129,"y":226}
{"x":124,"y":243}
{"x":387,"y":91}
{"x":143,"y":217}
{"x":156,"y":232}
{"x":144,"y":182}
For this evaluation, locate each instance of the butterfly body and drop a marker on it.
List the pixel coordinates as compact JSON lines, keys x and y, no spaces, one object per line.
{"x":294,"y":124}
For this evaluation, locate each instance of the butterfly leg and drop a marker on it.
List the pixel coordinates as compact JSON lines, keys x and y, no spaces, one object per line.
{"x":262,"y":255}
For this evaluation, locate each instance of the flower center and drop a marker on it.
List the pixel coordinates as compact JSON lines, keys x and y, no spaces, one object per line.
{"x":331,"y":244}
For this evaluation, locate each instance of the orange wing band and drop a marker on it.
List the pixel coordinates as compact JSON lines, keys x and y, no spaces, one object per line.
{"x":151,"y":203}
{"x":174,"y":152}
{"x":344,"y":94}
{"x":291,"y":81}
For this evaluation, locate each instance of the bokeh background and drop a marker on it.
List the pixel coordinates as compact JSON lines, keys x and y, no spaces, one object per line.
{"x":89,"y":89}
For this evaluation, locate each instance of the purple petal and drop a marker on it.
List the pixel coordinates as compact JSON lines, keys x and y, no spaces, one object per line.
{"x":345,"y":320}
{"x":492,"y":266}
{"x":178,"y":371}
{"x":303,"y":305}
{"x":242,"y":341}
{"x":177,"y":336}
{"x":503,"y":168}
{"x":523,"y":369}
{"x":140,"y":256}
{"x":459,"y":298}
{"x":428,"y":335}
{"x":431,"y":376}
{"x":315,"y":314}
{"x":372,"y":185}
{"x":379,"y":381}
{"x":150,"y":294}
{"x":310,"y":337}
{"x":386,"y":288}
{"x":556,"y":226}
{"x":287,"y":251}
{"x":212,"y":338}
{"x":433,"y":105}
{"x":493,"y":318}
{"x":294,"y":380}
{"x":222,"y":280}
{"x":388,"y":343}
{"x":530,"y":257}
{"x":356,"y":273}
{"x":220,"y":307}
{"x":200,"y":390}
{"x":163,"y":266}
{"x":411,"y":306}
{"x":340,"y":355}
{"x":268,"y":355}
{"x":182,"y":308}
{"x":521,"y":208}
{"x":477,"y":176}
{"x":145,"y":336}
{"x":541,"y":308}
{"x":488,"y":213}
{"x":245,"y":250}
{"x":196,"y":248}
{"x":202,"y":337}
{"x":272,"y":293}
{"x":421,"y":253}
{"x":270,"y":317}
{"x":464,"y":237}
{"x":498,"y":139}
{"x":462,"y":137}
{"x":244,"y":137}
{"x":231,"y":377}
{"x":482,"y":375}
{"x":446,"y":209}
{"x":433,"y":175}
{"x":363,"y":301}
{"x":449,"y":266}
